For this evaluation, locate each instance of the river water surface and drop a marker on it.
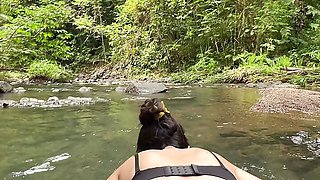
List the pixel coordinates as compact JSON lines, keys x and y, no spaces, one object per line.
{"x":89,"y":142}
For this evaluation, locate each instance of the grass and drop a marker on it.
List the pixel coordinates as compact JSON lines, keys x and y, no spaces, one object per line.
{"x":12,"y":75}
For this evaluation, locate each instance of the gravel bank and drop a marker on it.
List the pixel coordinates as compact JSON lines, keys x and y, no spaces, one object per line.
{"x":282,"y":100}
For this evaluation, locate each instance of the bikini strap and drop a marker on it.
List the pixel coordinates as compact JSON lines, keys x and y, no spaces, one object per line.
{"x":218,"y":160}
{"x":136,"y":163}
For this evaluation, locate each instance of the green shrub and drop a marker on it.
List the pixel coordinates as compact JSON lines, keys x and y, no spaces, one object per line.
{"x":283,"y":62}
{"x":205,"y":63}
{"x":46,"y":70}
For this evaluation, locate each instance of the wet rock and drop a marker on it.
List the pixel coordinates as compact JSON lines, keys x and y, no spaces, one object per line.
{"x":312,"y":143}
{"x":5,"y":105}
{"x":145,"y":88}
{"x":53,"y":102}
{"x":56,"y":90}
{"x":33,"y":100}
{"x":85,"y":89}
{"x":8,"y":103}
{"x":30,"y":102}
{"x":41,"y":101}
{"x":120,"y":89}
{"x":53,"y":99}
{"x":5,"y":87}
{"x":74,"y":101}
{"x":19,"y":90}
{"x":297,"y":140}
{"x":24,"y":100}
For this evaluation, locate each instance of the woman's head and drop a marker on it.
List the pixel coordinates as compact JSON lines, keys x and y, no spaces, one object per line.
{"x":159,"y":129}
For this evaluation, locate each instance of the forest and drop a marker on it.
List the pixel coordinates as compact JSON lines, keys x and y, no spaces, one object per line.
{"x":216,"y":41}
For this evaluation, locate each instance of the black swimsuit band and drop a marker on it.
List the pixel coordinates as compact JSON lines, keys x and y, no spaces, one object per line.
{"x":192,"y":170}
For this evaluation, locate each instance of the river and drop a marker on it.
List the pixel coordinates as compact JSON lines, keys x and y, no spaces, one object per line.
{"x":89,"y":142}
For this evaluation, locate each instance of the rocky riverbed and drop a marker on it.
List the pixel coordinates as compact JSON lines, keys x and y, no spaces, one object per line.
{"x":310,"y":141}
{"x":51,"y":102}
{"x":276,"y":97}
{"x":134,"y":88}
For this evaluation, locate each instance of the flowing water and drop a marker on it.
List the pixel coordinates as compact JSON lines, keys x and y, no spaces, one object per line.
{"x":89,"y":142}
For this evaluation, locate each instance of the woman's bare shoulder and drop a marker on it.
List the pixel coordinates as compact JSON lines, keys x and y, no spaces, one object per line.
{"x":125,"y":171}
{"x":200,"y":151}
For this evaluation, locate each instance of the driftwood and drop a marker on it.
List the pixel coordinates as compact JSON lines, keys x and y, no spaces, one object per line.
{"x":291,"y":69}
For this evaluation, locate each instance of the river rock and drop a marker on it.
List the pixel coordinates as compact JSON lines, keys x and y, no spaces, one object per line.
{"x":53,"y":101}
{"x":24,"y":100}
{"x":56,"y":90}
{"x":74,"y":101}
{"x":85,"y":89}
{"x":311,"y":142}
{"x":19,"y":90}
{"x":120,"y":89}
{"x":5,"y":105}
{"x":145,"y":88}
{"x":8,"y":103}
{"x":5,"y":87}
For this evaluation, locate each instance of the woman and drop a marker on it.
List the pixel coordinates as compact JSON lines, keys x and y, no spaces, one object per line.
{"x":164,"y":152}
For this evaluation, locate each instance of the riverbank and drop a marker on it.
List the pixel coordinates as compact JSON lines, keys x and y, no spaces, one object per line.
{"x":304,"y":77}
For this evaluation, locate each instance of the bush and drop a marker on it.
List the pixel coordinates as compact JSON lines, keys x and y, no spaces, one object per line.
{"x":45,"y":70}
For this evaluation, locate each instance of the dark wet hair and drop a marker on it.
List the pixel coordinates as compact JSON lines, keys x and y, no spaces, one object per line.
{"x":159,"y":129}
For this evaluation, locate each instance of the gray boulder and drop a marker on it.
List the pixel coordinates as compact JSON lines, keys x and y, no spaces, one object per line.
{"x":146,"y":88}
{"x":5,"y":87}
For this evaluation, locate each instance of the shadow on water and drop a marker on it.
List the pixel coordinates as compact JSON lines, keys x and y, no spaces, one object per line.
{"x":91,"y":141}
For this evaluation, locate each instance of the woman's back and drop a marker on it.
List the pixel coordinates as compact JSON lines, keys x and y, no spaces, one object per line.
{"x":171,"y":156}
{"x":164,"y":153}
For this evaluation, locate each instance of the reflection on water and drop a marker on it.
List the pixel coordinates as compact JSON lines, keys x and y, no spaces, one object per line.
{"x":101,"y":136}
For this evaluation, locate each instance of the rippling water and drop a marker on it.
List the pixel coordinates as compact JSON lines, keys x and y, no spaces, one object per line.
{"x":89,"y":142}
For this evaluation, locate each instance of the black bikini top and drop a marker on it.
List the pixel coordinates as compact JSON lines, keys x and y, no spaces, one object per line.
{"x":191,"y":170}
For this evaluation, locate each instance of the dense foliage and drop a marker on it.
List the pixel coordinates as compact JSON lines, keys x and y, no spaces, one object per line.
{"x":194,"y":39}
